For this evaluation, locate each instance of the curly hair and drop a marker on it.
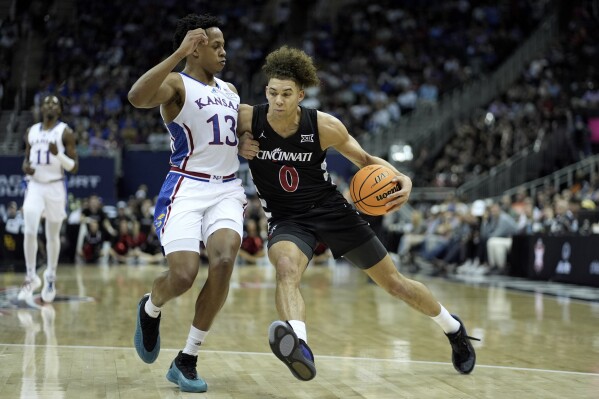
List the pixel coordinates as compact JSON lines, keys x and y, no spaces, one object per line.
{"x":191,"y":22}
{"x":291,"y":63}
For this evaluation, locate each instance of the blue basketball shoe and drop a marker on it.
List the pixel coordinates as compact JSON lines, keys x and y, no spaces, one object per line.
{"x":147,"y":333}
{"x":183,"y":373}
{"x":294,"y":352}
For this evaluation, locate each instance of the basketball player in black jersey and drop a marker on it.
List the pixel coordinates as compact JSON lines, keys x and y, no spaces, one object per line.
{"x":286,"y":145}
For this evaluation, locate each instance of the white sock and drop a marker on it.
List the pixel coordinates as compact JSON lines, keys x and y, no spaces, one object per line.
{"x":194,"y":341}
{"x":151,"y":309}
{"x":446,"y":321}
{"x":30,"y":249}
{"x":299,"y":327}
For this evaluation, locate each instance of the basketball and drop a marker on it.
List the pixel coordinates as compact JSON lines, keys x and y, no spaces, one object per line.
{"x":370,"y":188}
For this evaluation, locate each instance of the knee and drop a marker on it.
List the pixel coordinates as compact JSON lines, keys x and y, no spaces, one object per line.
{"x":30,"y":235}
{"x":31,"y":225}
{"x":182,"y":278}
{"x":287,"y":270}
{"x":221,"y":268}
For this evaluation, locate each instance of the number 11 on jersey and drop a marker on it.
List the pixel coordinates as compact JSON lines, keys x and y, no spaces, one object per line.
{"x":39,"y":157}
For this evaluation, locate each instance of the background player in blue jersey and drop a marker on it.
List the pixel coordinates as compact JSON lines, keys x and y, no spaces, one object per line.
{"x":201,"y":200}
{"x":286,"y":147}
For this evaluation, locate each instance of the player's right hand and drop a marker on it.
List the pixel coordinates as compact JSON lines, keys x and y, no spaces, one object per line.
{"x":192,"y":40}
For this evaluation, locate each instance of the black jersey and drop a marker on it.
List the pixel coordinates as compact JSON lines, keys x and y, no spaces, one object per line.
{"x":290,"y":173}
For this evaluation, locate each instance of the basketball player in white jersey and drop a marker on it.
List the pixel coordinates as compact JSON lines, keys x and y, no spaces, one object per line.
{"x":201,"y":200}
{"x":50,"y":150}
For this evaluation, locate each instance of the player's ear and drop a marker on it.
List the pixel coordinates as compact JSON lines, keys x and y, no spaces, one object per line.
{"x":196,"y":52}
{"x":301,"y":95}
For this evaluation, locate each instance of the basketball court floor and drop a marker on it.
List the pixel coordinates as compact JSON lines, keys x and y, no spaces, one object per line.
{"x":537,"y":341}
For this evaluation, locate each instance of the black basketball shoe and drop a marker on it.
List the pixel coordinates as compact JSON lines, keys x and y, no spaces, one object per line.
{"x":147,"y":333}
{"x":463,"y":355}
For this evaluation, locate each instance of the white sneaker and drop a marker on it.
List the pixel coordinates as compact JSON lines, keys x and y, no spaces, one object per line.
{"x":49,"y":290}
{"x":28,"y":287}
{"x":465,"y":267}
{"x":481,"y":270}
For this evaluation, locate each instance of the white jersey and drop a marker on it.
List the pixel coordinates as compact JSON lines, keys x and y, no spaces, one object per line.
{"x":47,"y":166}
{"x":203,"y":135}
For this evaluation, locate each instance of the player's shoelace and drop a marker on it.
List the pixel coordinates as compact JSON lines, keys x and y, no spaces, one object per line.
{"x":187,"y":365}
{"x":459,"y":341}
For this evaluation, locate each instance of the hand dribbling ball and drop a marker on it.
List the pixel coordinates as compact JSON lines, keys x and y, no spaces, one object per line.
{"x":370,"y":189}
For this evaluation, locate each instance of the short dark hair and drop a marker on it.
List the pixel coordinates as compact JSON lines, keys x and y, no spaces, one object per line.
{"x":191,"y":22}
{"x":291,"y":63}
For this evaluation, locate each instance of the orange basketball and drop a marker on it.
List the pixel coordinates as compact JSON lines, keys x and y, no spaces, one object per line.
{"x":370,"y":187}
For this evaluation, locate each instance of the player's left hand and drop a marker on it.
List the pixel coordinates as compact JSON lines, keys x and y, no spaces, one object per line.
{"x":399,"y":198}
{"x":53,"y":148}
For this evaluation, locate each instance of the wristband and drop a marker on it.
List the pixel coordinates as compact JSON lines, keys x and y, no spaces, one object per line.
{"x":67,"y":163}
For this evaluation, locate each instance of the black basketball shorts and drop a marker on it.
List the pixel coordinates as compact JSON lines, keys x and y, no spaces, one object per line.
{"x":337,"y":224}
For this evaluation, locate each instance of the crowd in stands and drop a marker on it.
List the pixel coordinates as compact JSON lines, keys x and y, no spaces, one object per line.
{"x":381,"y":60}
{"x":8,"y":37}
{"x":376,"y":62}
{"x":93,"y":67}
{"x":556,"y":95}
{"x":455,"y":237}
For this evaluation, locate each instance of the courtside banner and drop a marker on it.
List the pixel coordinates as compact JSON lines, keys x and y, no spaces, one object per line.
{"x":96,"y":175}
{"x":568,"y":258}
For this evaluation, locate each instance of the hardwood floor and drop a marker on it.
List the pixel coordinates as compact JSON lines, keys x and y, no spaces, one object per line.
{"x":367,"y":344}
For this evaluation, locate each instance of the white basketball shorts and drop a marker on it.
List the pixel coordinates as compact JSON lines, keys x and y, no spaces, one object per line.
{"x":46,"y":199}
{"x":190,"y":209}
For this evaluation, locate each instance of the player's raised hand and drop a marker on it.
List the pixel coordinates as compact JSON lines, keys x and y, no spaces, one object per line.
{"x":192,"y":40}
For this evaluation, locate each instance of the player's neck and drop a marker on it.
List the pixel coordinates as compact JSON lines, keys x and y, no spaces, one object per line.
{"x":284,"y":125}
{"x":49,"y":123}
{"x":200,"y":75}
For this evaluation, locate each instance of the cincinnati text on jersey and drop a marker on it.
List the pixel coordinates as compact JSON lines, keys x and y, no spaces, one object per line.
{"x":278,"y":155}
